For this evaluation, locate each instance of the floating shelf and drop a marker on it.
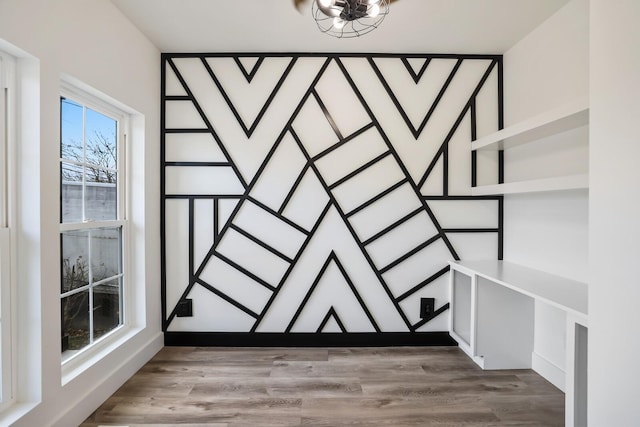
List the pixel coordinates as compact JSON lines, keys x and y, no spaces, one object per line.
{"x":558,"y":120}
{"x":570,"y":182}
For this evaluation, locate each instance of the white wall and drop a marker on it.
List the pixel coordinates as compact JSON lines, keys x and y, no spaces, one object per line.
{"x":614,"y":214}
{"x":92,"y":43}
{"x":548,"y":231}
{"x":293,"y":111}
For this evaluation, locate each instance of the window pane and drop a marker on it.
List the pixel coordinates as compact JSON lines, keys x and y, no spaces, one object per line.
{"x":101,"y":134}
{"x":75,"y":321}
{"x":105,"y":253}
{"x":71,"y":173}
{"x":92,"y":265}
{"x":101,"y":193}
{"x":75,"y":259}
{"x":71,"y":125}
{"x":71,"y":188}
{"x":106,"y":308}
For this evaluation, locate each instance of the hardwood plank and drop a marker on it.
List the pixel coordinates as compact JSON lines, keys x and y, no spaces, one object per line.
{"x":156,"y":387}
{"x":412,"y":411}
{"x":232,"y":356}
{"x":341,"y":368}
{"x":279,"y":387}
{"x":541,"y":409}
{"x":314,"y":387}
{"x":446,"y":385}
{"x":156,"y":425}
{"x":212,"y":409}
{"x":365,"y":354}
{"x":205,"y":369}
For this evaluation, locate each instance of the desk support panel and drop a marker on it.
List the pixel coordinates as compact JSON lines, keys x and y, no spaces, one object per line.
{"x":504,"y":329}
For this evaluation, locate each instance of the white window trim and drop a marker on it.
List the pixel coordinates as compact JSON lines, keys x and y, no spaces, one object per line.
{"x":75,"y":364}
{"x":8,"y":350}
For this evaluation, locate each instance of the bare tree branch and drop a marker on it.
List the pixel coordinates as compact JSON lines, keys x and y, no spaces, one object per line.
{"x":101,"y":153}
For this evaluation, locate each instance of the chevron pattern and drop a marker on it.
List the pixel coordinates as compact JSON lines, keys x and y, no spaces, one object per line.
{"x":322,"y":194}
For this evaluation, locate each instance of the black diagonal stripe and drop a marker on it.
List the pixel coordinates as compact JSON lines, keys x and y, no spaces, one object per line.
{"x":331,"y":313}
{"x":356,"y":293}
{"x":359,"y":170}
{"x":409,"y":254}
{"x":210,"y":129}
{"x":435,"y":103}
{"x":244,"y":271}
{"x":396,"y":224}
{"x":309,"y":293}
{"x":418,"y":76}
{"x":341,"y":142}
{"x":248,"y":74}
{"x":423,"y":284}
{"x":352,"y":231}
{"x":327,"y":115}
{"x":260,"y":243}
{"x":332,"y":257}
{"x":293,"y":188}
{"x":455,"y":126}
{"x":227,"y":298}
{"x":266,"y":308}
{"x":249,"y":130}
{"x":415,"y":131}
{"x":277,"y":215}
{"x":376,"y":198}
{"x":428,"y":319}
{"x":310,"y":233}
{"x":405,"y":171}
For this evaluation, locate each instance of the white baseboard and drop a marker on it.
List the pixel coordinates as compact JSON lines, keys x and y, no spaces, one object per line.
{"x":548,"y":370}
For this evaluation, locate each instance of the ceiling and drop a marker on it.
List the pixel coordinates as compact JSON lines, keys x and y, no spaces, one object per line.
{"x":423,"y":26}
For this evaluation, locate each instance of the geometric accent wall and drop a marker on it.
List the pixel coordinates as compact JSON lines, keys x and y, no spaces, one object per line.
{"x":317,"y":198}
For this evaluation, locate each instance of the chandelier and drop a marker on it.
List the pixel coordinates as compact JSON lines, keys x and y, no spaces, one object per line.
{"x":349,"y":18}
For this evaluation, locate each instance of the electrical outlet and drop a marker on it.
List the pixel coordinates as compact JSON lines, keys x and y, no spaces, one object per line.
{"x":427,"y":307}
{"x":185,"y":308}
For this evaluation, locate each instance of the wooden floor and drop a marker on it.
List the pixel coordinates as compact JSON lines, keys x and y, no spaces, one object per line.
{"x":406,"y":386}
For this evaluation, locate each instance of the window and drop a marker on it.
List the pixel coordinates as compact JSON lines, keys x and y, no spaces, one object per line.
{"x":93,"y":226}
{"x":6,"y":335}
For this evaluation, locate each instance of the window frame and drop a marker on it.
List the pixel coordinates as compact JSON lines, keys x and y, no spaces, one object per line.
{"x":103,"y":106}
{"x":8,"y":314}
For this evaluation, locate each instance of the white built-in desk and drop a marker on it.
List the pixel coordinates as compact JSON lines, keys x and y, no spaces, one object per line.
{"x":492,"y":319}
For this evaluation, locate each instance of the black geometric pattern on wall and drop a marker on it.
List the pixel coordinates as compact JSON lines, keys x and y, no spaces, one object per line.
{"x":322,"y":193}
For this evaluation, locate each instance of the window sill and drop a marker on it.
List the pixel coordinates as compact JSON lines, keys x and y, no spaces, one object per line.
{"x":16,"y":411}
{"x":85,"y":359}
